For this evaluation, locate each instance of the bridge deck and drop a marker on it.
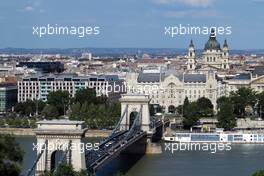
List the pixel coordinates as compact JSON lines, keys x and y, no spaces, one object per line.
{"x":110,"y":149}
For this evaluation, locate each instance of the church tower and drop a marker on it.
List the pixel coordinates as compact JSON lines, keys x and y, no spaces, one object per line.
{"x":225,"y":57}
{"x":191,"y":63}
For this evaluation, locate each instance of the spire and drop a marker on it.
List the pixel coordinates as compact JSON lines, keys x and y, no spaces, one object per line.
{"x":225,"y":44}
{"x":191,"y":44}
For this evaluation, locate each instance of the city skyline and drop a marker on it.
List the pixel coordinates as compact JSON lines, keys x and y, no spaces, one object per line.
{"x":131,"y":24}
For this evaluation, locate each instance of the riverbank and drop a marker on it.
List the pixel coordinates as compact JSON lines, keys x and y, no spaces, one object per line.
{"x":30,"y":132}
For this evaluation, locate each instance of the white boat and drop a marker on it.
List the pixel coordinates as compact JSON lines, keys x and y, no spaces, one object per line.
{"x":223,"y":137}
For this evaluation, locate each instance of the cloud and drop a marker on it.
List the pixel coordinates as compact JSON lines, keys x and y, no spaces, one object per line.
{"x":193,"y":3}
{"x":191,"y":13}
{"x":29,"y":8}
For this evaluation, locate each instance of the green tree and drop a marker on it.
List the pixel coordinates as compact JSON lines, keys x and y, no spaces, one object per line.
{"x":60,"y":100}
{"x":11,"y":156}
{"x":225,"y":116}
{"x":259,"y":173}
{"x":97,"y":113}
{"x":85,"y":95}
{"x":186,"y":103}
{"x":241,"y":98}
{"x":66,"y":170}
{"x":29,"y":107}
{"x":50,"y":112}
{"x":260,"y":105}
{"x":190,"y":117}
{"x":222,"y":100}
{"x":205,"y":107}
{"x":25,"y":108}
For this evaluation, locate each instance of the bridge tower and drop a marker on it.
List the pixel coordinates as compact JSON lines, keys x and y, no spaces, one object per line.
{"x":59,"y":140}
{"x":131,"y":104}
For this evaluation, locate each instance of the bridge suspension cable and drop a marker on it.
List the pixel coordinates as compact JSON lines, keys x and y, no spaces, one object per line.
{"x":43,"y":148}
{"x":136,"y":126}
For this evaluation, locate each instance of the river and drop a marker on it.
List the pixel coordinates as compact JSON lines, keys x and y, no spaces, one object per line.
{"x":241,"y":160}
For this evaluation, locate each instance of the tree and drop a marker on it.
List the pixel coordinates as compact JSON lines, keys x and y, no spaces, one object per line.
{"x":222,"y":100}
{"x":190,"y":115}
{"x":259,"y":173}
{"x":25,"y":108}
{"x":60,"y":100}
{"x":11,"y":156}
{"x":66,"y":170}
{"x":85,"y":95}
{"x":29,"y":107}
{"x":241,"y":98}
{"x":186,"y":103}
{"x":205,"y":107}
{"x":50,"y":112}
{"x":95,"y":111}
{"x":225,"y":116}
{"x":179,"y":109}
{"x":260,"y":105}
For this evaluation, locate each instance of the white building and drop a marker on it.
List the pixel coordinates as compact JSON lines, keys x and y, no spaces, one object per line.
{"x":245,"y":80}
{"x":38,"y":87}
{"x":169,"y":89}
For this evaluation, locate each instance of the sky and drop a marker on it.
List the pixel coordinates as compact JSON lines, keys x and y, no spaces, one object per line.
{"x":130,"y":23}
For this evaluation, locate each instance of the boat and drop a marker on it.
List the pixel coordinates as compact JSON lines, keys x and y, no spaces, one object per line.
{"x":221,"y":137}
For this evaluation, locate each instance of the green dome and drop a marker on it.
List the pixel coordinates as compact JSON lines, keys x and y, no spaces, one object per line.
{"x":212,"y":43}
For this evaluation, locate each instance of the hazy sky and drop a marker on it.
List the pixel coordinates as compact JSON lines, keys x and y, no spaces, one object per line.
{"x":131,"y":23}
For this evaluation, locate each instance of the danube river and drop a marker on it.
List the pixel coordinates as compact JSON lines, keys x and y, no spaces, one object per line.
{"x":241,"y":160}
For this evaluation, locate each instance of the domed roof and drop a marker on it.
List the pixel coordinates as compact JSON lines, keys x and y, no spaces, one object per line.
{"x":212,"y":43}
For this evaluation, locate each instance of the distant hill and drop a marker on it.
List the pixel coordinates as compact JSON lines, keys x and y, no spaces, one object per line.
{"x":117,"y":51}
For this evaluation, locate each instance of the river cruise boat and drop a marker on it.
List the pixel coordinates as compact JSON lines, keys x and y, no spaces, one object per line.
{"x":223,"y":137}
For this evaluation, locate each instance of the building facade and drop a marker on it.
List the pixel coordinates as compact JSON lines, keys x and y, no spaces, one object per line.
{"x":8,"y":97}
{"x":213,"y":55}
{"x":38,"y":87}
{"x":169,"y":89}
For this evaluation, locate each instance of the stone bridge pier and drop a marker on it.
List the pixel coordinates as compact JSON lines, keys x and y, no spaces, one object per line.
{"x":131,"y":105}
{"x":59,"y":140}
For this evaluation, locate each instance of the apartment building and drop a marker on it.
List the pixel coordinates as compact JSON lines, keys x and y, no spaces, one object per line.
{"x":38,"y":87}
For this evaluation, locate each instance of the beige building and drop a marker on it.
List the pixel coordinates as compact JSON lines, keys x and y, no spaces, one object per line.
{"x":245,"y":80}
{"x":213,"y":55}
{"x":169,"y":89}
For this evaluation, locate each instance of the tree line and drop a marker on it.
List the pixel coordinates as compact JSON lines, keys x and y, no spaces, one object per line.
{"x":97,"y":111}
{"x":245,"y":102}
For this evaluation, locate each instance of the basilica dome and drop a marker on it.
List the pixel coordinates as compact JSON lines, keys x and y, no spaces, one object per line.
{"x":212,"y":43}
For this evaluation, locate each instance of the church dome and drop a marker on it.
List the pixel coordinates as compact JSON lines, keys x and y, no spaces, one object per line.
{"x":212,"y":43}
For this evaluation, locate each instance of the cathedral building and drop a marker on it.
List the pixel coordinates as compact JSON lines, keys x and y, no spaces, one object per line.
{"x":168,"y":88}
{"x":213,"y":55}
